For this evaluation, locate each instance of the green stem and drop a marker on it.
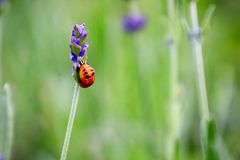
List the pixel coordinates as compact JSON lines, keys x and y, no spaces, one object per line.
{"x":174,"y":111}
{"x":70,"y":122}
{"x":197,"y":50}
{"x":173,"y":58}
{"x":10,"y":121}
{"x":1,"y":25}
{"x":171,"y":7}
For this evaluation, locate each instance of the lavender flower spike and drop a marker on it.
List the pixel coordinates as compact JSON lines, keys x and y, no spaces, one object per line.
{"x":79,"y":42}
{"x":133,"y":22}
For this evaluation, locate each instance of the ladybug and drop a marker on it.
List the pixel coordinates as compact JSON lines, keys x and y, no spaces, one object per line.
{"x":86,"y":75}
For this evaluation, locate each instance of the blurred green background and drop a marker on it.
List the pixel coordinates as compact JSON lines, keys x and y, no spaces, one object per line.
{"x":124,"y":115}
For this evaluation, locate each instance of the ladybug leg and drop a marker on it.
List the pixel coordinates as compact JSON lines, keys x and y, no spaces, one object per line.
{"x":80,"y":62}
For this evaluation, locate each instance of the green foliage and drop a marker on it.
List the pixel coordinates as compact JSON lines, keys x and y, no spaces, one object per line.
{"x":208,"y":139}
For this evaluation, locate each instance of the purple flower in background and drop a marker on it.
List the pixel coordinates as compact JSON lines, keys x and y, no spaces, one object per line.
{"x":79,"y":42}
{"x":2,"y":7}
{"x":134,"y":22}
{"x":2,"y":158}
{"x":2,"y":1}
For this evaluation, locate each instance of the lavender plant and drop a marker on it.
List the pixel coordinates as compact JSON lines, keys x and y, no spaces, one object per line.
{"x":212,"y":147}
{"x":208,"y":130}
{"x":78,"y":55}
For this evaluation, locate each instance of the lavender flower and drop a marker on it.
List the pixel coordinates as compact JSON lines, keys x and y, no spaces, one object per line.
{"x":133,"y":22}
{"x":2,"y":158}
{"x":78,"y":47}
{"x":79,"y":42}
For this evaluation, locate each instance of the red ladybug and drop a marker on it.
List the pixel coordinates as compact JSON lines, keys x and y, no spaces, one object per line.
{"x":86,"y":75}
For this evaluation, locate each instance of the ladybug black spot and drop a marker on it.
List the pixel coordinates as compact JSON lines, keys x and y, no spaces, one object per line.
{"x":93,"y":73}
{"x":85,"y":73}
{"x":87,"y":76}
{"x":84,"y":69}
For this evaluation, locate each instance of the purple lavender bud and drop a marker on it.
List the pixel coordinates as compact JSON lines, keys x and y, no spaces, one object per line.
{"x":79,"y":43}
{"x":134,"y":22}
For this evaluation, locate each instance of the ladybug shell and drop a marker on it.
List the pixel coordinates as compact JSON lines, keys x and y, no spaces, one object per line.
{"x":86,"y":75}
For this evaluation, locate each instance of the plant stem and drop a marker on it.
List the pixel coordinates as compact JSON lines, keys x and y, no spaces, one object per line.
{"x":10,"y":121}
{"x":173,"y":57}
{"x":174,"y":111}
{"x":1,"y":28}
{"x":197,"y":50}
{"x":170,"y":7}
{"x":70,"y":122}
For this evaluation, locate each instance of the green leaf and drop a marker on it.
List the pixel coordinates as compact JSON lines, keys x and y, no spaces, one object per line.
{"x":208,"y":139}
